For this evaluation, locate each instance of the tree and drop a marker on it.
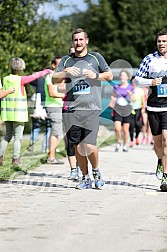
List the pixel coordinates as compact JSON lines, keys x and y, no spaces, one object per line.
{"x":139,"y":21}
{"x":122,"y":29}
{"x":101,"y":26}
{"x":26,"y":34}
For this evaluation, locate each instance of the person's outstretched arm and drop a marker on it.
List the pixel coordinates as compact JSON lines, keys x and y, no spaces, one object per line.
{"x":27,"y":79}
{"x":4,"y":93}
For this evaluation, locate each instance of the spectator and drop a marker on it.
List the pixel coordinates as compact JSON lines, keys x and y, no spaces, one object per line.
{"x":14,"y":109}
{"x":40,"y":122}
{"x":53,"y":104}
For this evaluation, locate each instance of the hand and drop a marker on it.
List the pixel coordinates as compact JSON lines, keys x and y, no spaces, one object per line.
{"x":129,"y":92}
{"x":89,"y":74}
{"x":11,"y":90}
{"x":156,"y":81}
{"x":74,"y":71}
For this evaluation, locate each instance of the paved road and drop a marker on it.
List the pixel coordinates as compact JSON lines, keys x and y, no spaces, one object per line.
{"x":43,"y":211}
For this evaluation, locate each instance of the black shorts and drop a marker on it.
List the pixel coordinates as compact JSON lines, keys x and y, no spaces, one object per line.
{"x":157,"y":121}
{"x":69,"y":148}
{"x":122,"y":119}
{"x":84,"y":126}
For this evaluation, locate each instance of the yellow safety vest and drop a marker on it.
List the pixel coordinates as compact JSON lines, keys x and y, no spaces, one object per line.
{"x":14,"y":106}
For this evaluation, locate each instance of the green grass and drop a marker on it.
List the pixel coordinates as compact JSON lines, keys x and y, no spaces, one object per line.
{"x":107,"y":142}
{"x":31,"y":160}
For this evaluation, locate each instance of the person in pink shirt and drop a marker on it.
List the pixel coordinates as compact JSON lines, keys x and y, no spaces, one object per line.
{"x":14,"y":110}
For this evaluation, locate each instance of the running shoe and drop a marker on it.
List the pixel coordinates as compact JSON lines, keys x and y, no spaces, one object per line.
{"x":74,"y":174}
{"x":147,"y":141}
{"x":143,"y":141}
{"x":163,"y":186}
{"x":131,"y":144}
{"x":159,"y":171}
{"x":125,"y":149}
{"x":99,"y":182}
{"x":30,"y":148}
{"x":85,"y":184}
{"x":137,"y":141}
{"x":152,"y":142}
{"x":54,"y":161}
{"x":118,"y":147}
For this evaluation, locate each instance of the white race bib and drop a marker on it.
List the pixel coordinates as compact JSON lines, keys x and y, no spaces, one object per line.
{"x":80,"y":87}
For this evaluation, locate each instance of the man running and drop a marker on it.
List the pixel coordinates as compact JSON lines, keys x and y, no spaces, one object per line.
{"x":84,"y":72}
{"x":153,"y":72}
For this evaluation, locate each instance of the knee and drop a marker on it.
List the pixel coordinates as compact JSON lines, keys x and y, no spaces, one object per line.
{"x":164,"y":142}
{"x":86,"y":149}
{"x":70,"y":150}
{"x":117,"y":128}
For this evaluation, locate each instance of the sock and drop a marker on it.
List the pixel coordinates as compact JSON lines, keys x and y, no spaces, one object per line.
{"x":160,"y":161}
{"x":95,"y":170}
{"x":86,"y":177}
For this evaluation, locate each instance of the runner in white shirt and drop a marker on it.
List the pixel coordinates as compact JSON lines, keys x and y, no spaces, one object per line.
{"x":153,"y":72}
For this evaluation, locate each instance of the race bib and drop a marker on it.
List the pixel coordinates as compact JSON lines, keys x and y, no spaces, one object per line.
{"x":80,"y":87}
{"x":162,"y":90}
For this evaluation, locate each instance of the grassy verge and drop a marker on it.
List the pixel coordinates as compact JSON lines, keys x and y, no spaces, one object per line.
{"x":109,"y":141}
{"x":31,"y":160}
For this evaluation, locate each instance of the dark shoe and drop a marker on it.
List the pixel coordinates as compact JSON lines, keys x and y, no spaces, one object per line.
{"x":163,"y":186}
{"x":16,"y":161}
{"x":30,"y":148}
{"x":1,"y":160}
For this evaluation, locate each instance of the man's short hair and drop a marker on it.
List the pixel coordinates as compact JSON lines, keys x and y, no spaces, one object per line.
{"x":79,"y":30}
{"x":161,"y":33}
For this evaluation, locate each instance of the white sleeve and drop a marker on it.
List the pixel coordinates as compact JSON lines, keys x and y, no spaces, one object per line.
{"x":142,"y":81}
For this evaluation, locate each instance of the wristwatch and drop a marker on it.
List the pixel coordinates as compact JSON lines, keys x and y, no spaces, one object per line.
{"x":97,"y":76}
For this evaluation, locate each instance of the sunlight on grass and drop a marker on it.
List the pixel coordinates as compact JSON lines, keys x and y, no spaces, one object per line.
{"x":29,"y":159}
{"x":34,"y":158}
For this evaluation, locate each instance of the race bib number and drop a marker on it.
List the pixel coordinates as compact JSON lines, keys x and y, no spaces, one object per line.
{"x":162,"y":90}
{"x":80,"y":87}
